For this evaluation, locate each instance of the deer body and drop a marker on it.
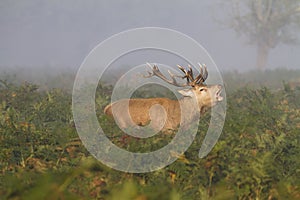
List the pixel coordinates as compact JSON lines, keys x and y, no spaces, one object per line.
{"x":139,"y":111}
{"x":162,"y":113}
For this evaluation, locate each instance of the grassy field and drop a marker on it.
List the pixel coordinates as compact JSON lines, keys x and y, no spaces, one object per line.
{"x":257,"y":156}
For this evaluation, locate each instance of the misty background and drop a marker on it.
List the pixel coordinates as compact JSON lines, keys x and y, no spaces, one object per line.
{"x":59,"y":34}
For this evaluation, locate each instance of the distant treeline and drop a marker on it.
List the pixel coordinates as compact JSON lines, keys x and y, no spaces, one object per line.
{"x":64,"y":77}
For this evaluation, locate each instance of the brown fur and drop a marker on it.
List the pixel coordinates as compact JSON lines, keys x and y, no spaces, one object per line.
{"x":142,"y":111}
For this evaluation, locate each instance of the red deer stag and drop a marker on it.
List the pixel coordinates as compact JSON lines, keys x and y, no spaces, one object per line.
{"x":142,"y":111}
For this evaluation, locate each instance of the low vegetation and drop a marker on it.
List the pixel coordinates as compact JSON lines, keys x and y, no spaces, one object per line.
{"x":257,"y":156}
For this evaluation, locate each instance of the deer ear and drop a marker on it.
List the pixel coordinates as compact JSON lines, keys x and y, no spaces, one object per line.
{"x":186,"y":93}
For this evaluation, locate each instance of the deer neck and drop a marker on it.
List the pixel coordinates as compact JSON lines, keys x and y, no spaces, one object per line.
{"x":190,"y":106}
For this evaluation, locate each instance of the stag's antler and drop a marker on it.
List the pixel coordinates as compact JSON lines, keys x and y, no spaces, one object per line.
{"x":155,"y":72}
{"x":188,"y":75}
{"x":200,"y":79}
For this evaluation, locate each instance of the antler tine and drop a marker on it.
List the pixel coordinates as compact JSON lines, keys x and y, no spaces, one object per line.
{"x":150,"y":74}
{"x":202,"y":75}
{"x":156,"y":72}
{"x":173,"y":76}
{"x":205,"y":72}
{"x":198,"y":79}
{"x":182,"y":69}
{"x":185,"y":73}
{"x":191,"y":71}
{"x":149,"y":65}
{"x":188,"y":74}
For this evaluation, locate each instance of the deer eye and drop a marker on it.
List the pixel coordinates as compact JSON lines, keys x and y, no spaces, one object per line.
{"x":202,"y":89}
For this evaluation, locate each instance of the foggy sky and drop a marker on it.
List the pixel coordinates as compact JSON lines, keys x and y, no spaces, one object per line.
{"x":60,"y":33}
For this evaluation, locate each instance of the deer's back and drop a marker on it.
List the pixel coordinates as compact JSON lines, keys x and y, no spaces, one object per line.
{"x":140,"y":111}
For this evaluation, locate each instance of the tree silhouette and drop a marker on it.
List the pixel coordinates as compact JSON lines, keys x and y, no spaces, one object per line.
{"x":265,"y":23}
